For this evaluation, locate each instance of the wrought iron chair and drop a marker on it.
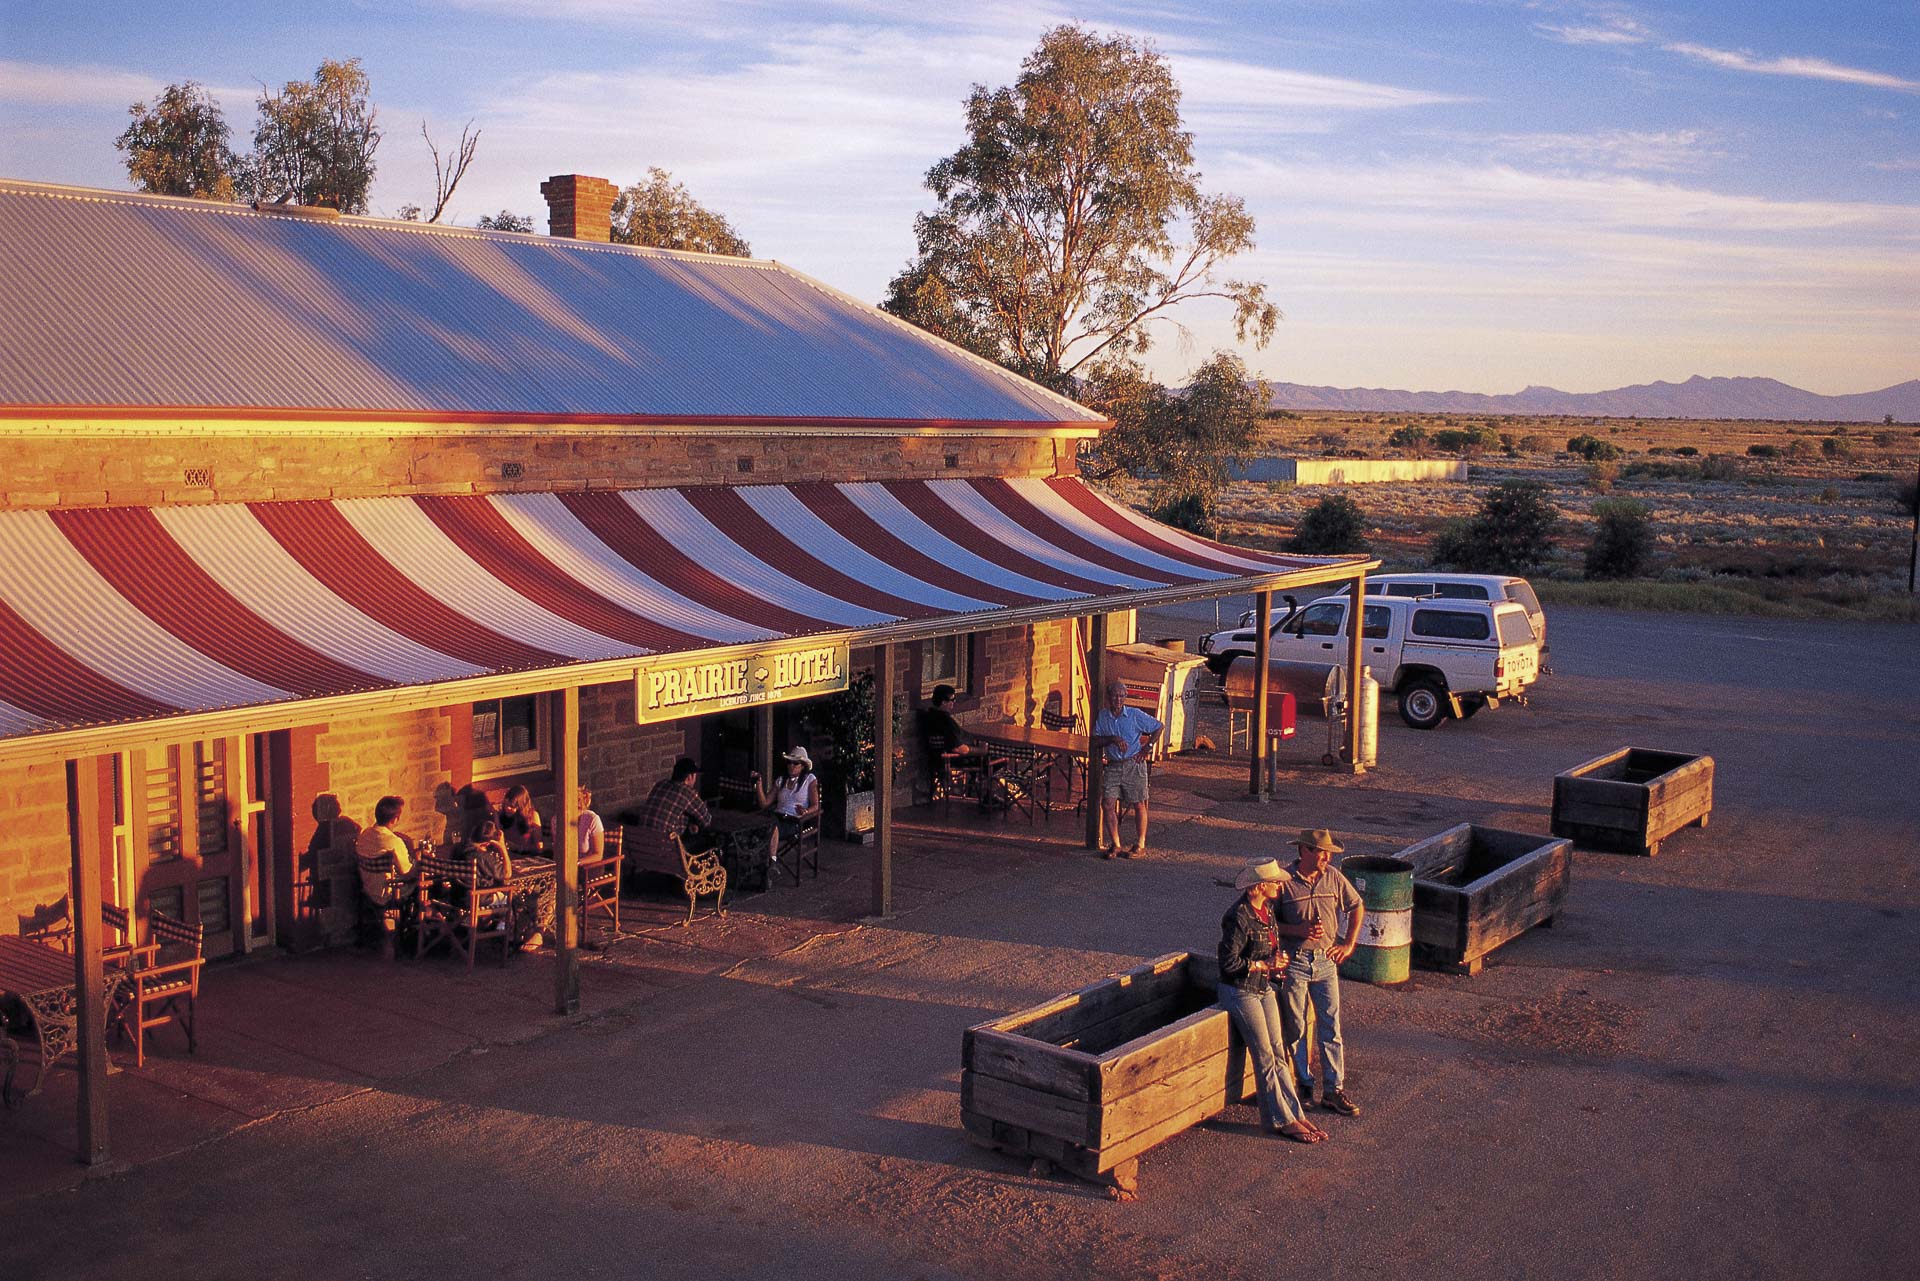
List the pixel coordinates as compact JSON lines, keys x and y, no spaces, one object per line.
{"x":664,"y":852}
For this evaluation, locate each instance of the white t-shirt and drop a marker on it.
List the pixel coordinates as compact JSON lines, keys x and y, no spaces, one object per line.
{"x":790,"y":799}
{"x":589,"y":826}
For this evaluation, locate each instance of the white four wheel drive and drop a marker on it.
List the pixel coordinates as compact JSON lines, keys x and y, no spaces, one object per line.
{"x":1442,"y":658}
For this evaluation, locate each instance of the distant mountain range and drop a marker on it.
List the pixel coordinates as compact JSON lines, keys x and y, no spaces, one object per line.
{"x":1697,"y":397}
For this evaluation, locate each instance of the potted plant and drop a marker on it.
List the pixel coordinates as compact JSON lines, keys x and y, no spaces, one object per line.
{"x":845,"y":719}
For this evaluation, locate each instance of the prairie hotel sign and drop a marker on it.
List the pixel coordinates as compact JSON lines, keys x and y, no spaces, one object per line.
{"x":689,"y":685}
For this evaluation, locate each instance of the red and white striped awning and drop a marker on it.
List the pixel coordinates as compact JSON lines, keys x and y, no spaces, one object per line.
{"x":131,"y":614}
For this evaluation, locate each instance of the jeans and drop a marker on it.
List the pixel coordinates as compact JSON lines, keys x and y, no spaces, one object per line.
{"x":1257,"y":1016}
{"x":1313,"y":973}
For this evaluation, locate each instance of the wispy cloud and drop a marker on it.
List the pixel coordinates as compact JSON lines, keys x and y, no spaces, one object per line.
{"x":49,"y":85}
{"x":1600,"y":29}
{"x":1633,"y":149}
{"x":1805,"y":68}
{"x":46,"y":84}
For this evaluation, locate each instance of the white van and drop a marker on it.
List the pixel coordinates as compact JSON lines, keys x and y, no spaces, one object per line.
{"x":1490,"y":587}
{"x":1442,"y":658}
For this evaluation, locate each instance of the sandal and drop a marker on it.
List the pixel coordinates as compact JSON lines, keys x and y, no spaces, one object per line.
{"x":1311,"y":1134}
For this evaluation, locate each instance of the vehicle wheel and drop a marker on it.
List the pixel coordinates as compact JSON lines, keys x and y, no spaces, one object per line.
{"x":1219,"y":663}
{"x":1470,"y":705}
{"x":1423,"y":703}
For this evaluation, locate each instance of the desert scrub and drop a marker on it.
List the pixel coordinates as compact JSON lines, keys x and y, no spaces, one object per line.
{"x":1622,"y":539}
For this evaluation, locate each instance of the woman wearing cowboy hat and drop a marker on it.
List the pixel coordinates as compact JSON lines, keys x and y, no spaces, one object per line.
{"x":1250,"y":957}
{"x":794,"y":798}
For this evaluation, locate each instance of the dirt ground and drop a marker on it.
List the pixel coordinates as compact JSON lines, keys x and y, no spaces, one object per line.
{"x":1709,"y":1068}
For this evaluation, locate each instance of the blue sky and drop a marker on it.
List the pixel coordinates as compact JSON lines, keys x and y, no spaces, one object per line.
{"x":1471,"y":194}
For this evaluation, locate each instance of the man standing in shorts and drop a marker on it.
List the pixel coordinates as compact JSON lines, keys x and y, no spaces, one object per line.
{"x":1124,"y":736}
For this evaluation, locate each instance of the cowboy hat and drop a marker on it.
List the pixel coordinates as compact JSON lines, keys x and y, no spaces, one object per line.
{"x":1254,"y":873}
{"x":1318,"y":838}
{"x":799,"y":754}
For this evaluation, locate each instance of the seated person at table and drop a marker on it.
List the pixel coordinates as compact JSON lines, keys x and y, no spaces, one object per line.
{"x":382,"y":839}
{"x":675,"y":805}
{"x":592,"y":832}
{"x":520,"y":822}
{"x":937,"y":723}
{"x":794,"y":798}
{"x":493,"y":863}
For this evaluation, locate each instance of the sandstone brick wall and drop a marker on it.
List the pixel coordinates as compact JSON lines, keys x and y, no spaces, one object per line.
{"x":156,"y":470}
{"x":353,"y":764}
{"x":34,"y":852}
{"x":619,"y":760}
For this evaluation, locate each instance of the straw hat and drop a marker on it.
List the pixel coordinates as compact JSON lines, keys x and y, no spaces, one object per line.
{"x":799,"y":754}
{"x":1254,"y":873}
{"x":1318,"y":838}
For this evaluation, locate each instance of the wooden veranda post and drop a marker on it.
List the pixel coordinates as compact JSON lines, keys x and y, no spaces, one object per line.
{"x":1257,"y":718}
{"x":87,"y":839}
{"x":1356,"y":628}
{"x":883,"y":780}
{"x":1096,"y":699}
{"x":566,"y":855}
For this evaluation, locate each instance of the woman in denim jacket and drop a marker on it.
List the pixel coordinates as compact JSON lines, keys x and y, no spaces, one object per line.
{"x":1249,"y":958}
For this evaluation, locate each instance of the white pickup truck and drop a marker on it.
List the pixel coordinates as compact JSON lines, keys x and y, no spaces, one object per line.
{"x":1441,"y":658}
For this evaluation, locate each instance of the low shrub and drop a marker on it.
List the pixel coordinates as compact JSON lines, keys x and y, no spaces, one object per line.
{"x":1685,"y":451}
{"x":1837,"y":447}
{"x":1593,"y":449}
{"x":1466,"y":440}
{"x":1720,"y":467}
{"x":1333,"y":525}
{"x":1622,"y":538}
{"x":1906,"y":495}
{"x":1512,"y":532}
{"x":1600,"y":476}
{"x":1190,"y":512}
{"x":1800,"y":450}
{"x":1408,"y":438}
{"x":1763,"y":451}
{"x":1535,"y":444}
{"x":1658,"y":471}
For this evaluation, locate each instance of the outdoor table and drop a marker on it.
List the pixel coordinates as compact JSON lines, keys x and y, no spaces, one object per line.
{"x":744,"y":839}
{"x":536,"y":879}
{"x":41,"y":979}
{"x":1067,"y":749}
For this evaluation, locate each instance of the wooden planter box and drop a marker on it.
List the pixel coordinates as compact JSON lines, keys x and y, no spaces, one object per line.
{"x":1632,"y":799}
{"x":1476,"y":887}
{"x":1092,"y":1079}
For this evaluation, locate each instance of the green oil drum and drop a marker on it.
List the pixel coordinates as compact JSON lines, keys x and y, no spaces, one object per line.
{"x":1385,"y":948}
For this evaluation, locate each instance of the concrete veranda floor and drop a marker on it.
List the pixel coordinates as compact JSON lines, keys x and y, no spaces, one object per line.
{"x":1711,"y":1067}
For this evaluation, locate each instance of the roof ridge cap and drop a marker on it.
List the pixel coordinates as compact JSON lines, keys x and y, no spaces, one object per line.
{"x":241,"y":209}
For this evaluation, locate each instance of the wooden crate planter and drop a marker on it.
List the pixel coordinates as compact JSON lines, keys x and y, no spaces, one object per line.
{"x":1632,"y":799}
{"x":1475,"y":888}
{"x":1092,"y":1079}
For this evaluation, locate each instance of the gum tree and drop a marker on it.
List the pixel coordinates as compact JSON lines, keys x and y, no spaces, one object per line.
{"x":1073,"y":217}
{"x":178,"y":146}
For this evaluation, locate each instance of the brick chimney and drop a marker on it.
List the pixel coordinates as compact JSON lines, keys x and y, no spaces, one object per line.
{"x":579,"y":207}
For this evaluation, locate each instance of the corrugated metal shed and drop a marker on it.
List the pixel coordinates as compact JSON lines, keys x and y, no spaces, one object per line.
{"x":109,"y":299}
{"x":110,"y":616}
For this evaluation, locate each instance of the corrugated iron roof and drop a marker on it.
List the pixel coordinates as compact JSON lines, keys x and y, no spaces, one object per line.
{"x":118,"y":615}
{"x":110,"y":299}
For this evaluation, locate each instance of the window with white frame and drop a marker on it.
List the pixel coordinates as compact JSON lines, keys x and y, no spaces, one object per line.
{"x":509,"y":734}
{"x":945,"y":660}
